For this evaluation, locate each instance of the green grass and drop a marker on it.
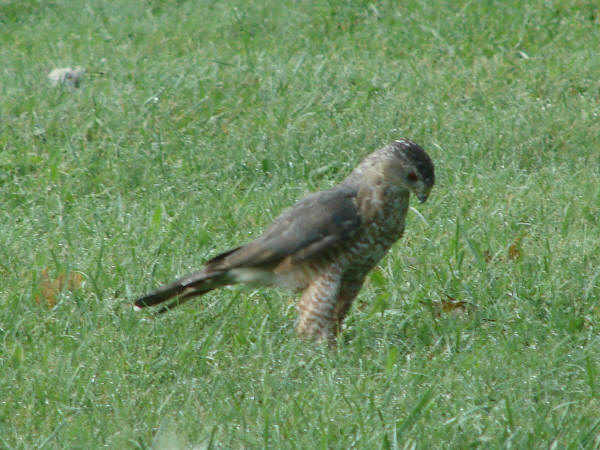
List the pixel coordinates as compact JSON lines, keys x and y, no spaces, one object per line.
{"x":198,"y":122}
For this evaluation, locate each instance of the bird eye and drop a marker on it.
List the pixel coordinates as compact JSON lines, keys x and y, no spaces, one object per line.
{"x":412,"y":177}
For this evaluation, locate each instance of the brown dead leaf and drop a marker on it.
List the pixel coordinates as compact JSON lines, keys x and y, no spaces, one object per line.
{"x":454,"y":307}
{"x":51,"y":287}
{"x":514,"y":251}
{"x":487,"y":256}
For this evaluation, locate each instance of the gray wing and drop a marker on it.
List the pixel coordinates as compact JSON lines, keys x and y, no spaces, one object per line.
{"x":316,"y":222}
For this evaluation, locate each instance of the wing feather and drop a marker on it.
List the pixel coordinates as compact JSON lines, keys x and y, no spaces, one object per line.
{"x":315,"y":223}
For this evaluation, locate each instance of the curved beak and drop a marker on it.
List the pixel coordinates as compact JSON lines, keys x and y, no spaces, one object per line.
{"x":423,"y":195}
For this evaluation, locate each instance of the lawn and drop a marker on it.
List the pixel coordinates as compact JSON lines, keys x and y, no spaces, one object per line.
{"x":196,"y":123}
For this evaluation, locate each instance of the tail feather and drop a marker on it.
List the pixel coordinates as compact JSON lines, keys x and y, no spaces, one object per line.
{"x":193,"y":285}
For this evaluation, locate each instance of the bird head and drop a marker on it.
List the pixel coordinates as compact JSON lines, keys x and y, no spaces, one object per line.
{"x":412,"y":168}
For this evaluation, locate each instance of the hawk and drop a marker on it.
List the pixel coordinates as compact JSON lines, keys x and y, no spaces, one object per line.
{"x":324,"y":245}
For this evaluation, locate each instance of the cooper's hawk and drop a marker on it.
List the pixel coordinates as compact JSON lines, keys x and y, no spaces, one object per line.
{"x":325,"y":244}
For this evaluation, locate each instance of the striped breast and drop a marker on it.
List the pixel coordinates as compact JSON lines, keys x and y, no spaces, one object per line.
{"x":376,"y":237}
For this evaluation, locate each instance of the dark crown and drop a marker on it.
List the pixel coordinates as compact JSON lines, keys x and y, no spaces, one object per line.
{"x":418,"y":157}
